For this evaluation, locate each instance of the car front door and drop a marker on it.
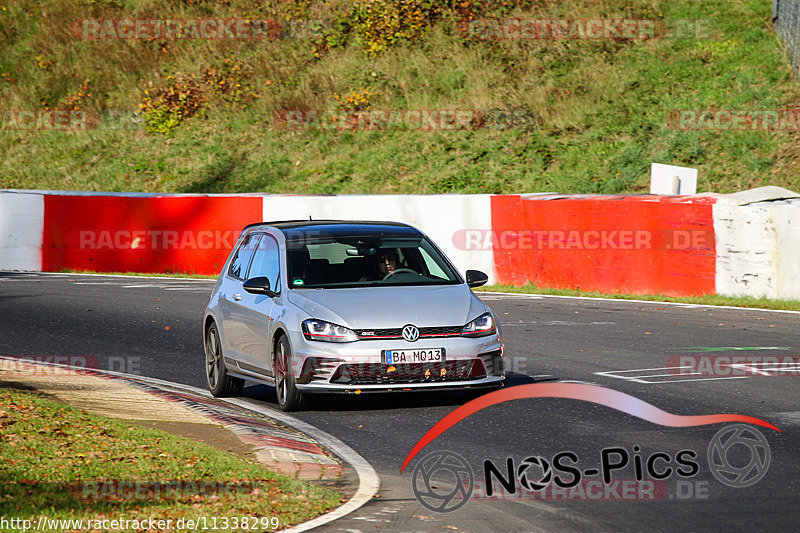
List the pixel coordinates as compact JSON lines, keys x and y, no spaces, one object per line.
{"x":233,"y":298}
{"x":258,"y":313}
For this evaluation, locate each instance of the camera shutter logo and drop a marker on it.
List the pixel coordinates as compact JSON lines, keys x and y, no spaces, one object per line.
{"x":442,"y":481}
{"x":525,"y":481}
{"x":410,"y":333}
{"x":732,"y":441}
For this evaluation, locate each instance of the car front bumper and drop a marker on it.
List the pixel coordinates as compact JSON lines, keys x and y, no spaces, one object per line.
{"x":359,"y":367}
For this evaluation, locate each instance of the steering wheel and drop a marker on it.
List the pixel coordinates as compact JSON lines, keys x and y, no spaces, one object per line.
{"x":398,"y":271}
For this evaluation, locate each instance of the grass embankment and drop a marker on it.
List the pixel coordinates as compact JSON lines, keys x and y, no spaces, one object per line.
{"x":601,"y":106}
{"x":64,"y":463}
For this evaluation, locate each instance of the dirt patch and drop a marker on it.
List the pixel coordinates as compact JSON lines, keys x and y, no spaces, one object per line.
{"x":215,"y":436}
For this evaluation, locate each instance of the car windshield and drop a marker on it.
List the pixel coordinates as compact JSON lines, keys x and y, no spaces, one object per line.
{"x":340,"y":262}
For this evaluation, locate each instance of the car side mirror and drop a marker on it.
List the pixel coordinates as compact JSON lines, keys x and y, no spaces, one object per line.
{"x":476,"y":278}
{"x":259,"y":285}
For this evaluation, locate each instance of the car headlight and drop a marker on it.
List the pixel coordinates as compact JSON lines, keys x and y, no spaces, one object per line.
{"x":480,"y":327}
{"x":319,"y":330}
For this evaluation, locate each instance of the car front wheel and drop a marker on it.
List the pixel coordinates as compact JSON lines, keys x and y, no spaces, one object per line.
{"x":219,"y":382}
{"x":288,"y":396}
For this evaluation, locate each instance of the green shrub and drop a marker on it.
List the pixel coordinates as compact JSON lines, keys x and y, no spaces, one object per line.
{"x":164,"y":107}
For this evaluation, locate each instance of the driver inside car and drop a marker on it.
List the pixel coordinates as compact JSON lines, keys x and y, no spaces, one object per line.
{"x":387,"y":263}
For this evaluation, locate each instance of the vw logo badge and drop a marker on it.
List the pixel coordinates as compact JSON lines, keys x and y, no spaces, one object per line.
{"x":410,"y":333}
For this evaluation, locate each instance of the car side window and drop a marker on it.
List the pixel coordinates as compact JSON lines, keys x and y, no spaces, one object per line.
{"x":266,"y":262}
{"x":241,"y":260}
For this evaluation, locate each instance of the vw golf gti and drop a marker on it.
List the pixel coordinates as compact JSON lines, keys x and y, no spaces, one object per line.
{"x":340,"y":306}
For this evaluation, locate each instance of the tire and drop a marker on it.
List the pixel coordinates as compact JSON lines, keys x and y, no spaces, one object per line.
{"x":289,"y":399}
{"x":219,"y":382}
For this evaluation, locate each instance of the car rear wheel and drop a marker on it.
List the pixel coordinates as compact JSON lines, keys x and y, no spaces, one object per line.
{"x":219,"y":382}
{"x":289,"y":398}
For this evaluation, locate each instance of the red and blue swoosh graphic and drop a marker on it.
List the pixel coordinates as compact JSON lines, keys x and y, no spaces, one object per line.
{"x":577,"y":391}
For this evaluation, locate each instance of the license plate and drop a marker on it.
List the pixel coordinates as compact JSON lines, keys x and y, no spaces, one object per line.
{"x":428,"y":355}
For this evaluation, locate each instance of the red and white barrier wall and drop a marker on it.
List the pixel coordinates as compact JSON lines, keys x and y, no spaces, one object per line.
{"x":192,"y":234}
{"x":740,"y":244}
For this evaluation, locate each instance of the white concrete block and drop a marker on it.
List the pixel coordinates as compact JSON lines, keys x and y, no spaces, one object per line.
{"x":786,"y":217}
{"x":746,"y":258}
{"x":21,"y":224}
{"x":671,"y":179}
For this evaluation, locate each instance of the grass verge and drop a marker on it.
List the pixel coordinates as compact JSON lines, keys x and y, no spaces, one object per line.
{"x":65,"y":463}
{"x":708,"y":299}
{"x":143,"y":274}
{"x":573,"y":115}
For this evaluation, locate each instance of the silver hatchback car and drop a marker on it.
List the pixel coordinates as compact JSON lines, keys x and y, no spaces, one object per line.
{"x":348,"y":307}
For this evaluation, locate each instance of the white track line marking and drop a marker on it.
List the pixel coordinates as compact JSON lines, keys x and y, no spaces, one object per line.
{"x":493,"y":295}
{"x":733,"y":349}
{"x":127,"y":276}
{"x":640,"y":379}
{"x":621,"y":300}
{"x":646,"y":369}
{"x":794,"y":368}
{"x":555,"y":323}
{"x":668,"y":375}
{"x":693,"y":379}
{"x":749,"y":368}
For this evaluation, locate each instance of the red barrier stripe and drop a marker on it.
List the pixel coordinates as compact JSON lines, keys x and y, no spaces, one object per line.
{"x":646,"y":245}
{"x":133,"y":234}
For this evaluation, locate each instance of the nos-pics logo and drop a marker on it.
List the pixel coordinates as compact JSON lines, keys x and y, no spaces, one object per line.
{"x":443,"y":481}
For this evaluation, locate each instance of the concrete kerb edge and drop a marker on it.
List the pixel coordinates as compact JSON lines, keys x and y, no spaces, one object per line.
{"x":368,"y":480}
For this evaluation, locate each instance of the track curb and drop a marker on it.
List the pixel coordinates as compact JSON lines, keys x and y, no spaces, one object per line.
{"x":368,"y":480}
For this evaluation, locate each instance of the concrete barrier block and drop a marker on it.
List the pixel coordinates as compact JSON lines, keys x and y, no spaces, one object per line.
{"x":21,"y":220}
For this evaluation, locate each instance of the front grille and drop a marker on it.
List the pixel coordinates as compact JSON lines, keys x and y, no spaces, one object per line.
{"x":378,"y":334}
{"x":377,"y":373}
{"x":397,"y":333}
{"x":440,"y":331}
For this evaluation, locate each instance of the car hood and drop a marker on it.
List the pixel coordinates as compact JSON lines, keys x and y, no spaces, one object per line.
{"x":391,"y":307}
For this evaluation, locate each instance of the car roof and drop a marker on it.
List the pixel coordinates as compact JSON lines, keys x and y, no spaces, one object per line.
{"x":300,"y":229}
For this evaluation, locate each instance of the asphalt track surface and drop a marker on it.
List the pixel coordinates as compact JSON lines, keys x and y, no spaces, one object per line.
{"x":153,"y":327}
